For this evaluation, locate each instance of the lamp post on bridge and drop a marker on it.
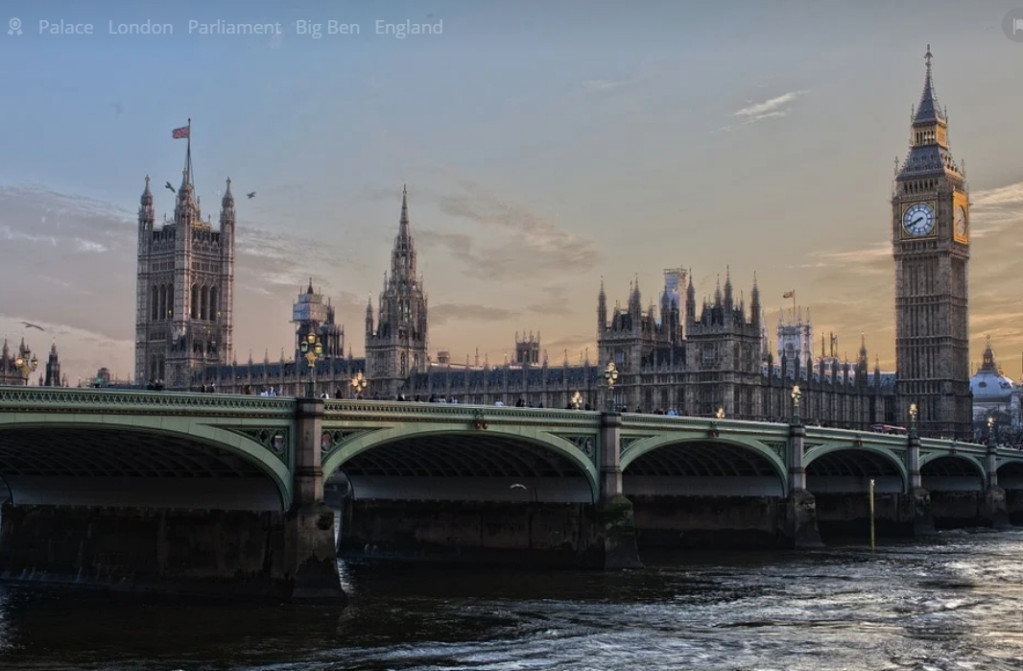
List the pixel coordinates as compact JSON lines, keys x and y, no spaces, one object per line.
{"x":359,"y":383}
{"x":577,"y":400}
{"x":913,"y":412}
{"x":26,"y":362}
{"x":990,"y":428}
{"x":611,"y":376}
{"x":312,"y":350}
{"x":796,"y":395}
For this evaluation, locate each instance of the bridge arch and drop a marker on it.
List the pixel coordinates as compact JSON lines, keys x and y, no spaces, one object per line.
{"x":654,"y":464}
{"x":139,"y":461}
{"x":1010,"y":473}
{"x":406,"y":461}
{"x":845,"y":468}
{"x":952,"y":472}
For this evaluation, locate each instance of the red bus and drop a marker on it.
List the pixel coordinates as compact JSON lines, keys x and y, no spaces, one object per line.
{"x":888,"y":428}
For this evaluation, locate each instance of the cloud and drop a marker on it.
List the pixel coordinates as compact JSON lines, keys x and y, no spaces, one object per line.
{"x":600,"y":85}
{"x":576,"y":346}
{"x":768,"y":108}
{"x":89,"y":247}
{"x":1004,"y":195}
{"x":871,"y":260}
{"x":993,"y":210}
{"x":517,"y":243}
{"x":449,"y":312}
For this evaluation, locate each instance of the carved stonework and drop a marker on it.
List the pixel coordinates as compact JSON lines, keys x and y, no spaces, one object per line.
{"x":779,"y":447}
{"x":585,"y":442}
{"x":333,"y":438}
{"x":627,"y":441}
{"x":276,"y":440}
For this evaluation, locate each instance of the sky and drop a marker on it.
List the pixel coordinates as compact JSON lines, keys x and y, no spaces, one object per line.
{"x":546,"y":146}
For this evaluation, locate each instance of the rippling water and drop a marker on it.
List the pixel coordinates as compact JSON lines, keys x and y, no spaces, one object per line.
{"x":955,"y":602}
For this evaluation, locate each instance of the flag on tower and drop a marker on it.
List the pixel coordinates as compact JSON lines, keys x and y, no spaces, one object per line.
{"x":789,"y":294}
{"x":179,"y":133}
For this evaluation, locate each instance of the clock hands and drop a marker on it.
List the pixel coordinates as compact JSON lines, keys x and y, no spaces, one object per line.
{"x":913,"y":223}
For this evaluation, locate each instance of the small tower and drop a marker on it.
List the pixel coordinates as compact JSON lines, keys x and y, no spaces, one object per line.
{"x":795,"y":340}
{"x":313,"y":315}
{"x":52,"y":378}
{"x":527,"y":350}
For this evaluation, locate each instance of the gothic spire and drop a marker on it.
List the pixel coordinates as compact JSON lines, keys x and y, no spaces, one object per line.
{"x":403,"y":258}
{"x":186,"y":211}
{"x":404,"y":206}
{"x":186,"y":174}
{"x":928,"y":111}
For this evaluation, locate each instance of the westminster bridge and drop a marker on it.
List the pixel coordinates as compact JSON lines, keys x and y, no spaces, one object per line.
{"x":207,"y":493}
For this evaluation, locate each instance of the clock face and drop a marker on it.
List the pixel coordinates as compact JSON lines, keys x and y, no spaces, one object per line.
{"x":918,"y":220}
{"x":960,"y":221}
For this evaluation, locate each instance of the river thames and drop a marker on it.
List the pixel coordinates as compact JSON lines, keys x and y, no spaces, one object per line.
{"x":949,"y":603}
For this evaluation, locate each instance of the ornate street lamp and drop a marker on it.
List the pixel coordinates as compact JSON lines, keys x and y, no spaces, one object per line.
{"x":913,"y":412}
{"x":796,"y":395}
{"x":577,"y":400}
{"x":26,"y":362}
{"x":359,"y":383}
{"x":990,"y":428}
{"x":312,"y":350}
{"x":611,"y":376}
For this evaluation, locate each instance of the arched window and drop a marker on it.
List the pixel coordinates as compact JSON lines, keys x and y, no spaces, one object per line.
{"x":170,"y":301}
{"x":205,"y":294}
{"x":214,"y":306}
{"x":195,"y":301}
{"x":163,"y":301}
{"x":154,"y":303}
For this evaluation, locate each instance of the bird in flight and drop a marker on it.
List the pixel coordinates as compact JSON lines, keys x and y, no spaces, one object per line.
{"x":169,"y":187}
{"x":251,"y":194}
{"x":30,"y":325}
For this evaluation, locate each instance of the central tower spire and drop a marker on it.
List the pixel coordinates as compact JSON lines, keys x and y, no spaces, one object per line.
{"x":403,"y":258}
{"x":397,"y":346}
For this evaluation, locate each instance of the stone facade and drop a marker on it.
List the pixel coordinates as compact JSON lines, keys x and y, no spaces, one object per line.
{"x":185,"y":287}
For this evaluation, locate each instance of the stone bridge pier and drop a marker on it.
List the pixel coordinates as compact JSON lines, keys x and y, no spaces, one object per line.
{"x":614,"y":511}
{"x":800,"y":505}
{"x":309,"y":545}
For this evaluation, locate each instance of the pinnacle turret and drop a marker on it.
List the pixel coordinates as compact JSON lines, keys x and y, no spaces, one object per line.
{"x":147,"y":195}
{"x":227,"y":202}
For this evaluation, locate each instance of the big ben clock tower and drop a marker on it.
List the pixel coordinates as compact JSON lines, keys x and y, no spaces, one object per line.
{"x":931,"y":244}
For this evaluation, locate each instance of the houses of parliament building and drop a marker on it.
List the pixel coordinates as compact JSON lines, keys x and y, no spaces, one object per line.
{"x":676,"y":355}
